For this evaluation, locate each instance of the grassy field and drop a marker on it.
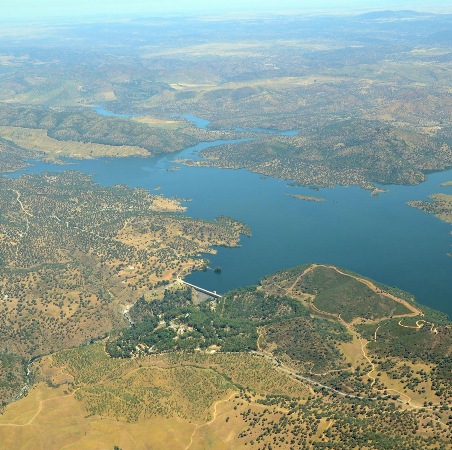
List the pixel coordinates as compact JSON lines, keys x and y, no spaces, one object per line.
{"x":38,"y":140}
{"x":217,"y":401}
{"x":50,"y":419}
{"x":93,"y":400}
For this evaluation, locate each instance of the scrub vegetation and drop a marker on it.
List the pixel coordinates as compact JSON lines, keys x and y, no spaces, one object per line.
{"x":74,"y":255}
{"x":103,"y":346}
{"x":298,"y":376}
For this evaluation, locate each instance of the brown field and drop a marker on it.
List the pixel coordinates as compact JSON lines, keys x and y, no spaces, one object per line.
{"x":61,"y":416}
{"x":50,"y":419}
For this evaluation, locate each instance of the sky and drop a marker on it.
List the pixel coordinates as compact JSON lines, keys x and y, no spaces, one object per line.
{"x":39,"y":9}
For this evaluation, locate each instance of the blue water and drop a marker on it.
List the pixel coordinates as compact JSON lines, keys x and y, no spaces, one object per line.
{"x":104,"y":112}
{"x":201,"y":123}
{"x":198,"y":121}
{"x":380,"y":237}
{"x":269,"y":131}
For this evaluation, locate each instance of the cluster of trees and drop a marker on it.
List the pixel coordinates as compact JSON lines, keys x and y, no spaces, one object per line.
{"x":311,"y":340}
{"x":175,"y":323}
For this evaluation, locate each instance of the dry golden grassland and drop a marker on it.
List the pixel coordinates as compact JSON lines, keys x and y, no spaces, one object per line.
{"x":38,"y":140}
{"x":49,"y":418}
{"x":85,"y":400}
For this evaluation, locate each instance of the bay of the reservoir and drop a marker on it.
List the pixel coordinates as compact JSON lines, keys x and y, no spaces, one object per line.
{"x":380,"y":237}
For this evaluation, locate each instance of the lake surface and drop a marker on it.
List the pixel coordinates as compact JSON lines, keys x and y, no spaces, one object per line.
{"x":380,"y":237}
{"x":104,"y":112}
{"x":204,"y":124}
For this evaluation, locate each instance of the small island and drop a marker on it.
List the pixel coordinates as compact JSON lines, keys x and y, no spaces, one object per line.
{"x":307,"y":198}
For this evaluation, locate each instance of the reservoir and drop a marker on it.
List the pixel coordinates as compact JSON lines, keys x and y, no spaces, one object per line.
{"x":379,"y":237}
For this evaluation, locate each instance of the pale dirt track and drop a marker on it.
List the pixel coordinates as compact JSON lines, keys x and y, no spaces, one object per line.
{"x":214,"y":416}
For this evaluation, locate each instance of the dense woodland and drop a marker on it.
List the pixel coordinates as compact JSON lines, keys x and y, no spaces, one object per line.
{"x":175,"y":323}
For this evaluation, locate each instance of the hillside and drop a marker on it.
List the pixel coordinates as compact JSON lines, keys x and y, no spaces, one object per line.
{"x":264,"y":367}
{"x":55,"y":133}
{"x":74,"y":255}
{"x":102,"y":344}
{"x":367,"y":97}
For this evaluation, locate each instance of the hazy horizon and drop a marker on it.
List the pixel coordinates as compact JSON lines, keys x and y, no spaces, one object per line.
{"x":51,"y":9}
